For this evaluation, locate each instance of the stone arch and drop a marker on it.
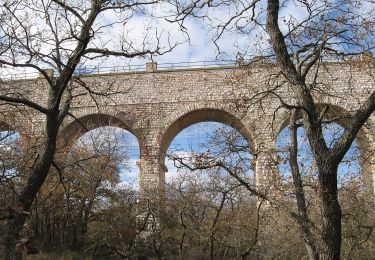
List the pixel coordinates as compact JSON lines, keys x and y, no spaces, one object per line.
{"x":202,"y":115}
{"x":335,"y":113}
{"x":5,"y":126}
{"x":365,"y":137}
{"x":75,"y":129}
{"x":14,"y":123}
{"x":23,"y":132}
{"x":340,"y":116}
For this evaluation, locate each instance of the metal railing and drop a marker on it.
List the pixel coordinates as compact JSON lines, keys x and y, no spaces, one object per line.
{"x":127,"y":68}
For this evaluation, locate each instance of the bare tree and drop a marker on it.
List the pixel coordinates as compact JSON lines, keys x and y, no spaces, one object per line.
{"x":61,"y":35}
{"x":327,"y":160}
{"x":296,"y":209}
{"x":71,"y":197}
{"x":210,"y":203}
{"x":328,"y":30}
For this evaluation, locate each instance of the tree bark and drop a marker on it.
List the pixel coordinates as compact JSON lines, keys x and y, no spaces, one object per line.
{"x":28,"y":194}
{"x":331,"y":213}
{"x":300,"y":194}
{"x":326,"y":162}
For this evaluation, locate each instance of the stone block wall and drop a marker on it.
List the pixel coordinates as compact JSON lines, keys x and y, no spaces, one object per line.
{"x":155,"y":105}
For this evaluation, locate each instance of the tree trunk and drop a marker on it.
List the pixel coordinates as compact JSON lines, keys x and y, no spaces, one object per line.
{"x":331,"y":211}
{"x":14,"y":227}
{"x":34,"y":183}
{"x":331,"y":214}
{"x":303,"y":219}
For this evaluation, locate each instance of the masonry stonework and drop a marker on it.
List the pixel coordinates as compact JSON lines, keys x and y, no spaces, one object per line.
{"x":156,"y":105}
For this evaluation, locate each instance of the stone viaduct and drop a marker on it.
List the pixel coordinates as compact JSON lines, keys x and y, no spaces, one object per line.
{"x":156,"y":104}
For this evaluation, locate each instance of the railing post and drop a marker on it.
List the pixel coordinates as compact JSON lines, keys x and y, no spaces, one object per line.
{"x":151,"y":66}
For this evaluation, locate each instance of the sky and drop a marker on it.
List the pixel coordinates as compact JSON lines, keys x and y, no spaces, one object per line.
{"x":192,"y":140}
{"x":349,"y":167}
{"x":141,"y":29}
{"x":204,"y":138}
{"x":197,"y":47}
{"x":136,"y":29}
{"x":201,"y":138}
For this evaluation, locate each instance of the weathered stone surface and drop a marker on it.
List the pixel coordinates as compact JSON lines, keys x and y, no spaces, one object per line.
{"x":156,"y":105}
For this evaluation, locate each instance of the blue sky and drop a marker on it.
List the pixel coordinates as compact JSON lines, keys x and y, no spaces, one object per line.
{"x":208,"y":138}
{"x":197,"y":45}
{"x":203,"y":138}
{"x":349,"y":167}
{"x":195,"y":139}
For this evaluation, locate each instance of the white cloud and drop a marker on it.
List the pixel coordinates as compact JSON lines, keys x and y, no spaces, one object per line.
{"x":130,"y":176}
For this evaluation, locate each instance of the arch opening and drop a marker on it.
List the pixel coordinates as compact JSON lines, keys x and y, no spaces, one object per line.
{"x":108,"y":154}
{"x":348,"y":169}
{"x":73,"y":131}
{"x":358,"y":161}
{"x":354,"y":189}
{"x":340,"y":117}
{"x":201,"y":192}
{"x":102,"y":143}
{"x":205,"y":137}
{"x":209,"y":148}
{"x":203,"y":115}
{"x":92,"y":181}
{"x":10,"y":153}
{"x":14,"y":163}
